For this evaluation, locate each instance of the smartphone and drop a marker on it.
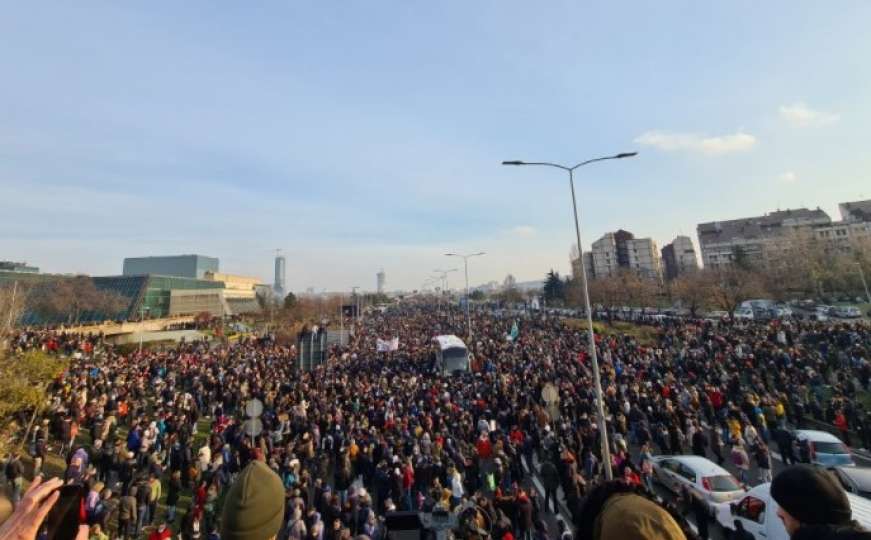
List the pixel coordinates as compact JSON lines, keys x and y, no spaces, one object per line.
{"x":67,"y":514}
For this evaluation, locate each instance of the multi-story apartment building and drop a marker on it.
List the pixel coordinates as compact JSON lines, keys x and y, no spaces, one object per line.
{"x":679,"y":257}
{"x":722,"y":241}
{"x":621,"y":250}
{"x":759,"y":238}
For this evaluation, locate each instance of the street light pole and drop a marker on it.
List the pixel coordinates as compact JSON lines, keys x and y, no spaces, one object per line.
{"x":444,"y":280}
{"x":356,"y":301}
{"x":466,"y":267}
{"x":600,"y":402}
{"x":142,"y":311}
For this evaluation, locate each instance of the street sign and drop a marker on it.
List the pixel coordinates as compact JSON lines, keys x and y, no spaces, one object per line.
{"x":254,"y":408}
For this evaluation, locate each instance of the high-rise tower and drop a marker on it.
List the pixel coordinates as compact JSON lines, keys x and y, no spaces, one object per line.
{"x":279,"y":285}
{"x":381,"y":278}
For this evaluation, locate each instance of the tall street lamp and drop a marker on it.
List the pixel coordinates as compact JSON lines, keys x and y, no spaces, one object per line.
{"x":443,"y":275}
{"x":600,"y":404}
{"x":466,"y":267}
{"x":356,"y":301}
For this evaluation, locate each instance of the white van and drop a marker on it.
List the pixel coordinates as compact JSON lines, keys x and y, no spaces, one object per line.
{"x":452,"y":355}
{"x":757,"y":512}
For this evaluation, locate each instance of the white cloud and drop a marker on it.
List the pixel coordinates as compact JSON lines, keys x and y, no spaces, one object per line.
{"x":525,"y":231}
{"x":788,"y":177}
{"x":800,"y":115}
{"x":693,"y":142}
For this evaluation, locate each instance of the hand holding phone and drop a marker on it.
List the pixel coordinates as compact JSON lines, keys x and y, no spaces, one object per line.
{"x":25,"y":522}
{"x":67,"y":514}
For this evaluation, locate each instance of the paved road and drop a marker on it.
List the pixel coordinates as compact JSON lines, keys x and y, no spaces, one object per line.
{"x":862,"y":459}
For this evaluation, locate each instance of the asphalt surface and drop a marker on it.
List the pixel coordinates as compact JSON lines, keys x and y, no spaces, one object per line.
{"x":861,"y":457}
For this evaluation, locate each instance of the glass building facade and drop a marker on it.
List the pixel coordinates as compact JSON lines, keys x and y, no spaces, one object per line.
{"x":144,"y":295}
{"x":190,"y":266}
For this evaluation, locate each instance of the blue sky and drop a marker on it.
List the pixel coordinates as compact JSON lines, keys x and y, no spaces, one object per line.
{"x":362,"y":135}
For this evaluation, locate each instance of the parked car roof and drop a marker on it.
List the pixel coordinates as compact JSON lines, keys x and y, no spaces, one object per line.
{"x":701,"y":465}
{"x":814,"y":435}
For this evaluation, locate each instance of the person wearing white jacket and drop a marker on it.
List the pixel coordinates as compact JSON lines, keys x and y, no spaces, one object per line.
{"x":456,"y":486}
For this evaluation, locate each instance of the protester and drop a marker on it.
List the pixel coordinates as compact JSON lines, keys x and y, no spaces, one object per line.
{"x":390,"y":426}
{"x":813,"y":505}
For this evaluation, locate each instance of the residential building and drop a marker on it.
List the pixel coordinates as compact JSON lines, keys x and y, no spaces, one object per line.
{"x":722,"y":241}
{"x":21,"y":267}
{"x":644,"y":257}
{"x":679,"y":257}
{"x":621,"y":250}
{"x":856,"y":211}
{"x":186,"y":266}
{"x":760,"y":238}
{"x":854,"y":227}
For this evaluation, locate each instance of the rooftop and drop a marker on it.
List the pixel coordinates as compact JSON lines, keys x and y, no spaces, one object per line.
{"x":762,"y":226}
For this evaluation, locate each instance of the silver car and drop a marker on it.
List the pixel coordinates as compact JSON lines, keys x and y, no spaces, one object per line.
{"x":714,"y":483}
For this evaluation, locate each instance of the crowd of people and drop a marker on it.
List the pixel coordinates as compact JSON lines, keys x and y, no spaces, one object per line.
{"x":161,"y":438}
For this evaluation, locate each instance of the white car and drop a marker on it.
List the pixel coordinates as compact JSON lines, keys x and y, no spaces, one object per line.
{"x":846,"y":312}
{"x":781,"y":312}
{"x":714,"y":483}
{"x":745,"y":313}
{"x":757,"y":512}
{"x":823,"y":448}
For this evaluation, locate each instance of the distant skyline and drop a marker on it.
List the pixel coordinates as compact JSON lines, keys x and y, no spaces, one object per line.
{"x":357,"y":137}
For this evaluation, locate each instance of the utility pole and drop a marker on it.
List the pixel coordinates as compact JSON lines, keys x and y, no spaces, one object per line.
{"x":466,"y":266}
{"x":597,"y":383}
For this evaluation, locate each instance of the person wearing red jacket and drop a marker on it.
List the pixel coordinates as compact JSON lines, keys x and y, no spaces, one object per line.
{"x":841,"y":424}
{"x":484,"y":447}
{"x":162,"y":532}
{"x":631,"y":477}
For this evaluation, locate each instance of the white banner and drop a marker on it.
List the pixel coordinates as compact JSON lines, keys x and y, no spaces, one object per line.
{"x":387,"y":345}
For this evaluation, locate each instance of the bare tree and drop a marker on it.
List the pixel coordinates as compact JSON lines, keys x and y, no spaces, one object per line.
{"x":12,"y":300}
{"x":68,"y":299}
{"x":731,"y":286}
{"x":693,"y":289}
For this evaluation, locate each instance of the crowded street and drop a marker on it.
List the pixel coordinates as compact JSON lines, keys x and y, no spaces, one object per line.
{"x":158,"y":436}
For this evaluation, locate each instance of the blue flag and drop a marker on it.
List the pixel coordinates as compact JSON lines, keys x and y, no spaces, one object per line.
{"x":514,"y":331}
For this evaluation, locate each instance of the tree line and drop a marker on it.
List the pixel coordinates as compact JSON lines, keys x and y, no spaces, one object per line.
{"x":797,"y":267}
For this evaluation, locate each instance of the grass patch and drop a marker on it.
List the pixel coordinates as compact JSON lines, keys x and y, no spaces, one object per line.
{"x":643,"y":334}
{"x":55,"y":466}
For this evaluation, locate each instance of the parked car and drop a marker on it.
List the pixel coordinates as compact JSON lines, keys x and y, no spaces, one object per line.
{"x":714,"y":483}
{"x":846,"y":312}
{"x":821,"y":448}
{"x":817,"y":316}
{"x":781,"y":312}
{"x":856,"y":480}
{"x":744,"y":313}
{"x":757,"y":512}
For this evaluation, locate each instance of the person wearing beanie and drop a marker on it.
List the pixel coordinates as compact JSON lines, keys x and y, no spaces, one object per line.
{"x":812,"y":505}
{"x":615,"y":511}
{"x":254,"y":505}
